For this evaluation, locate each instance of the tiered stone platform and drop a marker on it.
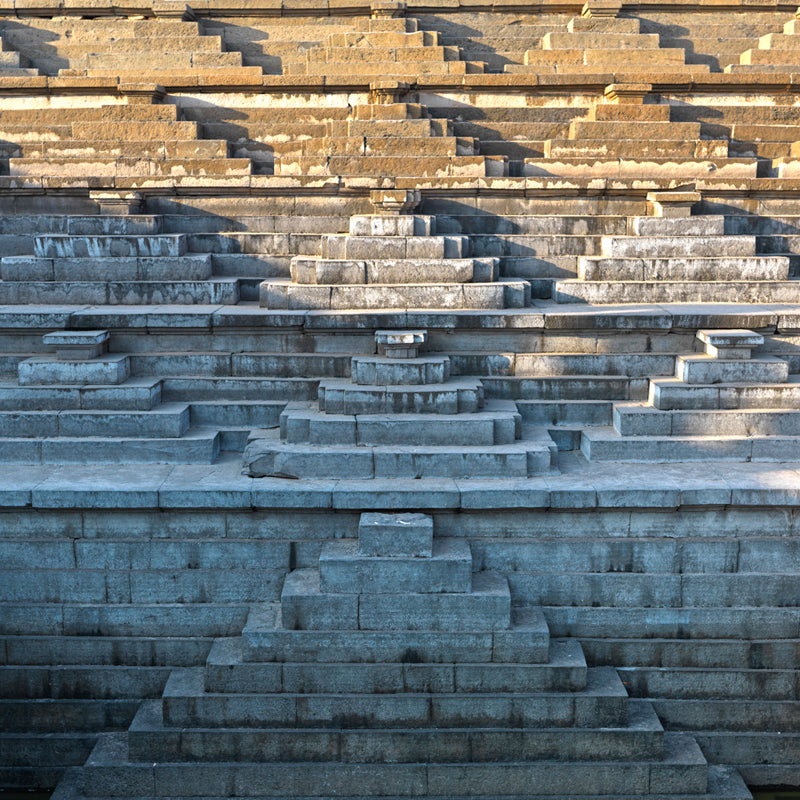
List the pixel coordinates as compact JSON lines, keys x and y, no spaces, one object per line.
{"x":394,"y":670}
{"x":526,"y":274}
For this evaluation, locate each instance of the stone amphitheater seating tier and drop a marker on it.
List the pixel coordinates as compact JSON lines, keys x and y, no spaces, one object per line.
{"x":398,"y":401}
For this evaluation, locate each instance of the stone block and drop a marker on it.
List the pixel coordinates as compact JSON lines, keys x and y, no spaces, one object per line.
{"x":344,"y":569}
{"x":409,"y":535}
{"x":111,"y":369}
{"x":699,"y":369}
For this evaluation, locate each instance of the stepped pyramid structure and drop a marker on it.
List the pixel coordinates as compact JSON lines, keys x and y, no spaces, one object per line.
{"x":399,"y":399}
{"x":394,"y":670}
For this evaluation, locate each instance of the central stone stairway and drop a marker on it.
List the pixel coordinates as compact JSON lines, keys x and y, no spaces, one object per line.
{"x":400,"y":416}
{"x":392,"y":670}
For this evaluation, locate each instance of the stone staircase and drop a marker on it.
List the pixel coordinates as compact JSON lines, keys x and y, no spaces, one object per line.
{"x":400,"y":415}
{"x":687,"y":259}
{"x":721,"y":404}
{"x":394,"y":261}
{"x":134,"y":50}
{"x":593,"y":41}
{"x":385,"y":44}
{"x":395,"y":670}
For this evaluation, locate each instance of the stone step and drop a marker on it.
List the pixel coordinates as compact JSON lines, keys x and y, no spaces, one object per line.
{"x":33,"y":716}
{"x":753,"y":748}
{"x":167,"y":420}
{"x":202,"y":388}
{"x":136,"y":394}
{"x":136,"y":651}
{"x":155,"y":60}
{"x":305,"y":606}
{"x":679,"y":246}
{"x":732,"y":624}
{"x":190,"y":266}
{"x":78,"y":682}
{"x":687,"y":683}
{"x":219,"y":291}
{"x":38,"y":759}
{"x":265,"y":454}
{"x":457,"y":396}
{"x":227,"y":413}
{"x":86,"y":585}
{"x":150,"y":740}
{"x":280,"y":366}
{"x":401,"y":166}
{"x":565,"y":670}
{"x":402,"y":270}
{"x":683,"y":770}
{"x":736,"y":716}
{"x":672,"y":393}
{"x":723,"y":783}
{"x":780,"y":653}
{"x":605,"y":148}
{"x":156,"y":42}
{"x":104,"y":619}
{"x":196,"y":446}
{"x":712,"y":291}
{"x":75,"y":246}
{"x":555,"y":388}
{"x":640,"y":419}
{"x":605,"y":444}
{"x":650,"y":167}
{"x":752,"y":268}
{"x":154,"y":148}
{"x":703,"y":369}
{"x":106,"y":370}
{"x":343,"y":569}
{"x":526,"y":641}
{"x":497,"y":423}
{"x":647,"y":131}
{"x":559,"y":412}
{"x":96,"y":165}
{"x":158,"y":554}
{"x":278,"y":294}
{"x":370,"y":371}
{"x":602,"y":704}
{"x":97,"y":113}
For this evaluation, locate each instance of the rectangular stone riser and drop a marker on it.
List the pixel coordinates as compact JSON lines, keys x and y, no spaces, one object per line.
{"x":225,"y":672}
{"x":224,"y":292}
{"x":164,"y":421}
{"x":496,"y":424}
{"x":45,"y":716}
{"x":265,"y":640}
{"x":652,"y":422}
{"x":704,"y":370}
{"x":605,"y":444}
{"x":139,"y":395}
{"x":489,"y":609}
{"x":761,"y":268}
{"x":677,"y":246}
{"x":384,"y":252}
{"x":180,"y":268}
{"x":406,"y":710}
{"x":502,"y":294}
{"x":149,"y":741}
{"x":52,"y":246}
{"x":198,"y":449}
{"x":401,"y":271}
{"x":604,"y":292}
{"x":343,"y":569}
{"x":268,"y":457}
{"x":380,"y":371}
{"x":344,"y":398}
{"x":674,"y":394}
{"x":108,"y":370}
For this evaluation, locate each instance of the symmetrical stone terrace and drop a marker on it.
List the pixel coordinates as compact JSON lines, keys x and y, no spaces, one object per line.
{"x":392,"y":669}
